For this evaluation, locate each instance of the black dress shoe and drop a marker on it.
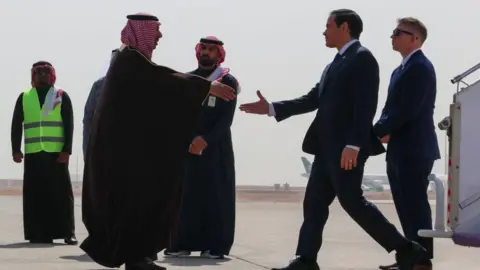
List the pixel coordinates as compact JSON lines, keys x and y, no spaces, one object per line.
{"x":145,"y":264}
{"x":41,"y":241}
{"x":411,"y":258}
{"x":389,"y":267}
{"x":72,"y":240}
{"x":300,"y":264}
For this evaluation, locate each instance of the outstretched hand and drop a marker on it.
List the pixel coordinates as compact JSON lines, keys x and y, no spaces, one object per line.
{"x":258,"y":107}
{"x":222,"y":91}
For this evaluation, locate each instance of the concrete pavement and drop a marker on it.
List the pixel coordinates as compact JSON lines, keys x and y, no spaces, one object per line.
{"x":266,"y":237}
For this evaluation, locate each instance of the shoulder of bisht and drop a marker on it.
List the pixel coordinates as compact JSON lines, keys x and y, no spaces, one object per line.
{"x":125,"y":48}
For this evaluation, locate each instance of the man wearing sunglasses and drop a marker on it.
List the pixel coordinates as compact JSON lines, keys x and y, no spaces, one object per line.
{"x":341,"y":138}
{"x":407,"y":125}
{"x":46,"y":114}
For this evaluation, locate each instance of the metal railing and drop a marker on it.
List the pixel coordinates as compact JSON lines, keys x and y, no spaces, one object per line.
{"x":439,"y":229}
{"x":459,"y":78}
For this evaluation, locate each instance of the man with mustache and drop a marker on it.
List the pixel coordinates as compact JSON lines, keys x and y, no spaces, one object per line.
{"x":137,"y":149}
{"x":46,"y":115}
{"x":207,"y":220}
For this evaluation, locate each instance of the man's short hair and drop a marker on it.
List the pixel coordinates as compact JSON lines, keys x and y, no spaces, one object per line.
{"x":416,"y":25}
{"x":353,"y":20}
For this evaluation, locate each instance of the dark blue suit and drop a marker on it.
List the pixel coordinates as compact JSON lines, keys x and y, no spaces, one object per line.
{"x":413,"y":147}
{"x":89,"y":110}
{"x":346,"y":101}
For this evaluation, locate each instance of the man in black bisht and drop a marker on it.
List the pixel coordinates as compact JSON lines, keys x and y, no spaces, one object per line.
{"x":47,"y":117}
{"x":136,"y":152}
{"x":207,"y":219}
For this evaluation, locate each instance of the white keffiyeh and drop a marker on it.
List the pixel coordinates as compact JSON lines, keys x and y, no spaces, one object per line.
{"x":51,"y":100}
{"x":218,"y":73}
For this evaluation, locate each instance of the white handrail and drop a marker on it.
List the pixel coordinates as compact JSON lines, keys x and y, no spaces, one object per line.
{"x":439,"y":230}
{"x":460,"y":77}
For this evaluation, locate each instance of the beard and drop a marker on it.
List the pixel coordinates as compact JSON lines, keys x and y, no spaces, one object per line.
{"x":43,"y":85}
{"x":206,"y":61}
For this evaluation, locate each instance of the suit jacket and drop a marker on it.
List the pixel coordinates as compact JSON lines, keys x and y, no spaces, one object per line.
{"x":408,"y":112}
{"x":90,"y":109}
{"x":346,"y":101}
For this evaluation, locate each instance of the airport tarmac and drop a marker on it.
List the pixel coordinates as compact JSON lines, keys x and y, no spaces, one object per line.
{"x":266,"y":236}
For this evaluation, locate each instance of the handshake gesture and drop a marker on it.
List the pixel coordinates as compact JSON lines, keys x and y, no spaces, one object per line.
{"x":258,"y":107}
{"x":222,"y":91}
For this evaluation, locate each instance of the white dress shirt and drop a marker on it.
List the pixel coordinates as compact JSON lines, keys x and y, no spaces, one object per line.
{"x":405,"y":60}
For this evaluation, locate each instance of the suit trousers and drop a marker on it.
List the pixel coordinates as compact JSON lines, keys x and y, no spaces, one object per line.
{"x":409,"y":184}
{"x":327,"y":181}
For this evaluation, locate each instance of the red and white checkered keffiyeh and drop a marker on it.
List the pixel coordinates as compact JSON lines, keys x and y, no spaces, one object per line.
{"x":220,"y":71}
{"x":53,"y":75}
{"x":142,"y":35}
{"x":221,"y":50}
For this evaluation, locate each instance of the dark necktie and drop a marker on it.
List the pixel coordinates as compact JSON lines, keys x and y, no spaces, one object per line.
{"x":337,"y":58}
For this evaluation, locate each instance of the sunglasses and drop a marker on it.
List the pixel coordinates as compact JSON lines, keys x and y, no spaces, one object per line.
{"x":42,"y":70}
{"x":398,"y":32}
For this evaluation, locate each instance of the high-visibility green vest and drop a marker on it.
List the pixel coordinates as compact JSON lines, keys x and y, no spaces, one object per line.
{"x":42,"y":132}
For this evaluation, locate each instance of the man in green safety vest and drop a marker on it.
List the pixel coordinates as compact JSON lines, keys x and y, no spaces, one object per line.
{"x":46,"y":115}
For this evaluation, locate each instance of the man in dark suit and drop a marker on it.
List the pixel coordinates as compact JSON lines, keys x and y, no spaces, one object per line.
{"x":341,"y":138}
{"x":91,"y":104}
{"x":407,"y":126}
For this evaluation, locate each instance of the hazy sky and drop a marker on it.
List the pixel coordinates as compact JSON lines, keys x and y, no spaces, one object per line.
{"x":275,"y":46}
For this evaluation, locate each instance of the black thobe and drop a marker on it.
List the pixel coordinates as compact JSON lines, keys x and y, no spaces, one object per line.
{"x":208,"y":210}
{"x":48,"y":206}
{"x":135,"y":158}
